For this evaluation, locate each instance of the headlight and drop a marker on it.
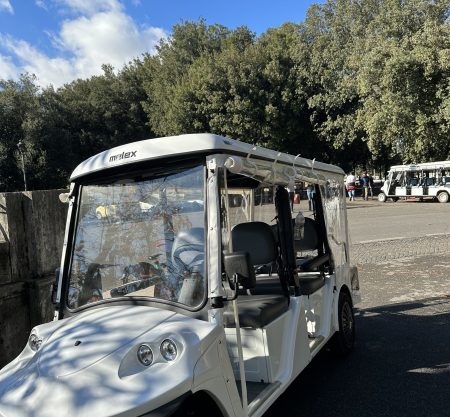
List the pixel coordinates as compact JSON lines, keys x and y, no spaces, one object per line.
{"x":35,"y":342}
{"x":168,"y":350}
{"x":145,"y":355}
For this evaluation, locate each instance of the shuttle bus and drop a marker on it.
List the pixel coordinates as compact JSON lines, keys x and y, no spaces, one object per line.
{"x":426,"y":180}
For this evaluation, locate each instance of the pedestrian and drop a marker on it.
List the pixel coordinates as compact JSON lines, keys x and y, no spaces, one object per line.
{"x":290,"y":190}
{"x":310,"y":194}
{"x":365,"y":182}
{"x":350,"y":186}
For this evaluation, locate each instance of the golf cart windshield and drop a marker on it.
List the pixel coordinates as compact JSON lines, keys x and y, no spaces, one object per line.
{"x":141,"y":237}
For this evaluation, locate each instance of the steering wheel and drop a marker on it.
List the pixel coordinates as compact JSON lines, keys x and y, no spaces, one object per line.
{"x":188,"y":249}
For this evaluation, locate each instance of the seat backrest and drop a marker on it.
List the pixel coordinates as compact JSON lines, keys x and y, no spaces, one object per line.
{"x":257,"y":239}
{"x":310,"y":239}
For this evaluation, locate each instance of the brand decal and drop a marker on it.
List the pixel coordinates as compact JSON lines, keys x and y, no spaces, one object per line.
{"x":123,"y":155}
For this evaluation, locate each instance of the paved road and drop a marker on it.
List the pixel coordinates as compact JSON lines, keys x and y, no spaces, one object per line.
{"x":371,"y":220}
{"x":401,"y":363}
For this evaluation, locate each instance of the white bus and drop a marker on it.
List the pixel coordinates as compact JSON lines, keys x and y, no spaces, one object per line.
{"x":426,"y":180}
{"x":193,"y":306}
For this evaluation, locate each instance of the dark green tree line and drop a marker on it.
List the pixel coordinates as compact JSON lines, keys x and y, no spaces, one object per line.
{"x":359,"y":82}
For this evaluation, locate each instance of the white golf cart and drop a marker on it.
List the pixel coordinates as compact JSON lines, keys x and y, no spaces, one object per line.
{"x":203,"y":305}
{"x":420,"y":181}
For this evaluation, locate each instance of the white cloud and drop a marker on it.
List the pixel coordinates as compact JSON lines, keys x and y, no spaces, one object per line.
{"x":7,"y":69}
{"x":85,"y":43}
{"x":106,"y":38}
{"x":6,"y":5}
{"x":41,"y":4}
{"x":54,"y":71}
{"x":90,"y":7}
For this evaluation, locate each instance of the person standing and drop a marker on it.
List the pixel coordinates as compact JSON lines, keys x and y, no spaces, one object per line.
{"x":310,"y":194}
{"x":365,"y":182}
{"x":291,"y":192}
{"x":350,"y":185}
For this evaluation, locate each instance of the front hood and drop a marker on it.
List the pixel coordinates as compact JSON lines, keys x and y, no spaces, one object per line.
{"x":89,"y":337}
{"x":87,"y":364}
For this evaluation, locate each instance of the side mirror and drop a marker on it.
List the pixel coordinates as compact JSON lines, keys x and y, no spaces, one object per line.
{"x":240,"y":270}
{"x":54,"y":288}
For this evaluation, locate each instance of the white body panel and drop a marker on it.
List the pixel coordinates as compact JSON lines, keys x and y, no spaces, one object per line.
{"x":184,"y":145}
{"x":102,"y":376}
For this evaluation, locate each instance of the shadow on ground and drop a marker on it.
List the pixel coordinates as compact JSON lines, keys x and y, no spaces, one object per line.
{"x":400,"y":367}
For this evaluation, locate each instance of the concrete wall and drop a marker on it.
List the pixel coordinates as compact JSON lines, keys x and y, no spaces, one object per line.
{"x":31,"y":239}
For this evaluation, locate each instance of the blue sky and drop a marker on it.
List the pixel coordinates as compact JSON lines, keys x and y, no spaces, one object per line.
{"x":61,"y":40}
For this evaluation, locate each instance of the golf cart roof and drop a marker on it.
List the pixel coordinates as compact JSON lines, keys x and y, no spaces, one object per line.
{"x":191,"y":144}
{"x":421,"y":167}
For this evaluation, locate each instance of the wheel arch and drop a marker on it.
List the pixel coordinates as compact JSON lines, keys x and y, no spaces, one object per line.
{"x":343,"y":288}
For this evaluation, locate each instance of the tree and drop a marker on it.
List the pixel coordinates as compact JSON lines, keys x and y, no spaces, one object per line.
{"x":18,"y":101}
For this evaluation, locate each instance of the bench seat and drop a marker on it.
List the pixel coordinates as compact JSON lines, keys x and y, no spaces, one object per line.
{"x":256,"y":311}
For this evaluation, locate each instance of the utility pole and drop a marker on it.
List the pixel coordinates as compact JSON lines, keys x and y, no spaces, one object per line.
{"x":20,"y":146}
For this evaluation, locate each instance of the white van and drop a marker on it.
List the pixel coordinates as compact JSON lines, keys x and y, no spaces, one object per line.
{"x":196,"y":306}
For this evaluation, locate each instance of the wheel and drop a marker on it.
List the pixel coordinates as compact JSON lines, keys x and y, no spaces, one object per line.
{"x":394,"y":199}
{"x":344,"y":340}
{"x":382,"y":197}
{"x":443,"y":197}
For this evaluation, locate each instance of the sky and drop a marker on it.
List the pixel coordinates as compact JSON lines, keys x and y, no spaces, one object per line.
{"x":62,"y":40}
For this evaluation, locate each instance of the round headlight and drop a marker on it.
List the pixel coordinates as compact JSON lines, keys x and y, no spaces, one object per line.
{"x":34,"y":342}
{"x":145,"y":355}
{"x":168,"y":350}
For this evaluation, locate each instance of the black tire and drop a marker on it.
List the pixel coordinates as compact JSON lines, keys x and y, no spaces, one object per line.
{"x":343,"y":340}
{"x":394,"y":199}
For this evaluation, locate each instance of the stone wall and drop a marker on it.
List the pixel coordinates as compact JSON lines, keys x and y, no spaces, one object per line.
{"x":31,"y":239}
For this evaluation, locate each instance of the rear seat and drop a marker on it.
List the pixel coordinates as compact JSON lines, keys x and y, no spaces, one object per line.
{"x":310,"y":279}
{"x":256,"y":311}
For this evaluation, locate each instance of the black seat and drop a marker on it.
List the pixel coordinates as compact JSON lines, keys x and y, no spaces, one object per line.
{"x":310,"y":280}
{"x":257,"y":239}
{"x":256,"y":311}
{"x":310,"y":238}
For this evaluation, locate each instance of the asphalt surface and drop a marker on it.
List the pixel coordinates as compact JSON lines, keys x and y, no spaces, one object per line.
{"x":401,"y":362}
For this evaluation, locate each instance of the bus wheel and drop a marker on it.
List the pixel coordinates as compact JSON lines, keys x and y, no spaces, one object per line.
{"x":443,"y":197}
{"x":394,"y":199}
{"x":343,"y":341}
{"x":382,"y":197}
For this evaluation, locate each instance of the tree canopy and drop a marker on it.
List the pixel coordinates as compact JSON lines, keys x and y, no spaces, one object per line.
{"x":358,"y":83}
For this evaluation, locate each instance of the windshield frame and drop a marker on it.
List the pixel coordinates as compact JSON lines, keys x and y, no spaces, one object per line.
{"x":170,"y":167}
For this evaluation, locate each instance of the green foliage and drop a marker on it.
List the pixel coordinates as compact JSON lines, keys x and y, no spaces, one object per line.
{"x":61,"y":128}
{"x":358,"y":83}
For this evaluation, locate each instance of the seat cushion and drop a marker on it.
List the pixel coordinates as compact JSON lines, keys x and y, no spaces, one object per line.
{"x":256,"y":311}
{"x":310,"y":282}
{"x":267,"y":285}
